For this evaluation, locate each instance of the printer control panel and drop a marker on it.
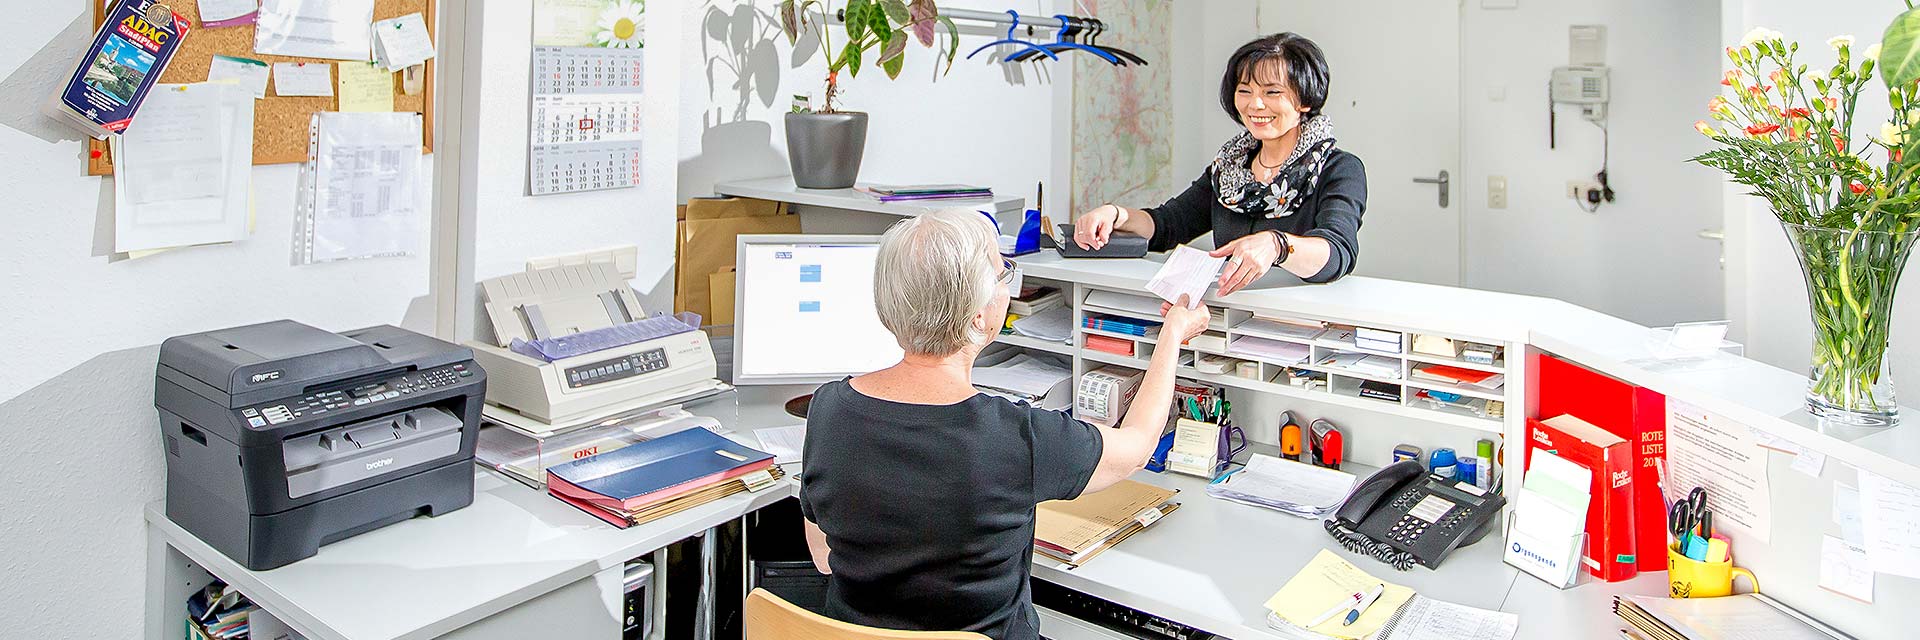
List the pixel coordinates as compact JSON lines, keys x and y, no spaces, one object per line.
{"x":620,"y":368}
{"x":324,"y":402}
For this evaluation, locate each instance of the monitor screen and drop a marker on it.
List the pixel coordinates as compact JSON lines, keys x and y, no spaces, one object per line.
{"x":804,"y":310}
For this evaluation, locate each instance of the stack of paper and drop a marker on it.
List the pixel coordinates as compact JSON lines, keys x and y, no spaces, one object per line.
{"x":1054,"y":325}
{"x":1137,"y":306}
{"x":1743,"y":616}
{"x":1458,"y":376}
{"x":1023,"y":375}
{"x":1550,"y":519}
{"x":1296,"y":329}
{"x":1074,"y":531}
{"x":1323,"y":584}
{"x":785,"y":443}
{"x":1275,"y":351}
{"x":183,"y":171}
{"x":1364,"y":364}
{"x":1293,"y":487}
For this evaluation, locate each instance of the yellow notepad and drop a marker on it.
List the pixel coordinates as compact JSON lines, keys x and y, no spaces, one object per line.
{"x":1325,"y":582}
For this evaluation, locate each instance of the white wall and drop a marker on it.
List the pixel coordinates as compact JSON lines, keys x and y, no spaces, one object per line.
{"x":1639,"y":257}
{"x":1770,"y":305}
{"x":982,"y":123}
{"x":511,"y":227}
{"x":76,"y":414}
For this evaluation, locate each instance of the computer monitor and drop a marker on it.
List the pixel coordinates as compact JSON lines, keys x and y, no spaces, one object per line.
{"x":803,"y":310}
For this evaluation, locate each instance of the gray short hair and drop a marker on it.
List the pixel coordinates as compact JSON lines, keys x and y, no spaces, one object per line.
{"x":933,"y":273}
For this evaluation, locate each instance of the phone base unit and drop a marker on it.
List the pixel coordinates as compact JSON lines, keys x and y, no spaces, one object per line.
{"x":1404,"y":516}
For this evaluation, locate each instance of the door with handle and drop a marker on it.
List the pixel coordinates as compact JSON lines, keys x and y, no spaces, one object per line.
{"x":1406,"y":233}
{"x":1445,"y":181}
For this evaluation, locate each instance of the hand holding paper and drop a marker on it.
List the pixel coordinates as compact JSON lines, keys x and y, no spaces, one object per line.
{"x":1187,"y":273}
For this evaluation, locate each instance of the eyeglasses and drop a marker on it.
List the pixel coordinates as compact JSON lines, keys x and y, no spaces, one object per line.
{"x":1010,"y":275}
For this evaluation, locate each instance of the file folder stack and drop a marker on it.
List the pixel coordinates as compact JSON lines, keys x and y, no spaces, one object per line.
{"x":918,"y":192}
{"x":1292,"y":487}
{"x":1074,"y":531}
{"x":1743,"y":616}
{"x":657,"y":478}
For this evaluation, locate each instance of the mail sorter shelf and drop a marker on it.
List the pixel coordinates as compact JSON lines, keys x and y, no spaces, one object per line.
{"x":1029,"y":342}
{"x":1451,"y":418}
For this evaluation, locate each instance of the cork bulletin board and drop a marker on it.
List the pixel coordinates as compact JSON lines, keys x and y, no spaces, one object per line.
{"x":279,"y":123}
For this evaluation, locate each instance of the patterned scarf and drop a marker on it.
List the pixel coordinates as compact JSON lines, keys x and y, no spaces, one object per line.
{"x":1298,"y":176}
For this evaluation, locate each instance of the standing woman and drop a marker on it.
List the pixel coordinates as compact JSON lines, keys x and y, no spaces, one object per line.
{"x":1279,"y":193}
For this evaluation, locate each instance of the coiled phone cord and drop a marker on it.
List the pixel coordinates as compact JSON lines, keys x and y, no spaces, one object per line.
{"x":1359,"y":543}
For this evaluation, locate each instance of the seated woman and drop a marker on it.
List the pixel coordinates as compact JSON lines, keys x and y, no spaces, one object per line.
{"x":1279,"y":194}
{"x":919,"y":491}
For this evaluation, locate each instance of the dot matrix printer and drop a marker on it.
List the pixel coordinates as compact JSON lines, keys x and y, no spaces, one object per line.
{"x":281,"y":437}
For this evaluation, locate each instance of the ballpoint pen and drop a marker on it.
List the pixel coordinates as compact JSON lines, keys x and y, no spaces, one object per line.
{"x":1345,"y":604}
{"x":1373,"y":596}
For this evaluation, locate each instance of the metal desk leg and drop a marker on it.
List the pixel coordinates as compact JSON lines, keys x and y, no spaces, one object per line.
{"x":657,"y":596}
{"x":709,"y":574}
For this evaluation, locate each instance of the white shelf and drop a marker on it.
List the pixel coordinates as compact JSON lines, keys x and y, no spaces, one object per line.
{"x":1498,"y":367}
{"x":1471,"y":392}
{"x":1488,"y":425}
{"x":1027,"y":342}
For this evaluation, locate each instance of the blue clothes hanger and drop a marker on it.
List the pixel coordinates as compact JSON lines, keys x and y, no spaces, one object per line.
{"x":1068,"y":26}
{"x":1025,"y":47}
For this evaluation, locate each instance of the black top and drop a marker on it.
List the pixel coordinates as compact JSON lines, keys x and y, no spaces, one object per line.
{"x":929,"y":509}
{"x":1333,"y":212}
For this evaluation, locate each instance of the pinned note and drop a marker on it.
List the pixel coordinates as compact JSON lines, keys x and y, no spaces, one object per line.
{"x":1890,"y":520}
{"x":365,"y":87}
{"x":227,"y":13}
{"x":401,"y":42}
{"x":302,"y":79}
{"x":1810,"y":462}
{"x":246,"y":72}
{"x":337,"y":29}
{"x":1844,"y":569}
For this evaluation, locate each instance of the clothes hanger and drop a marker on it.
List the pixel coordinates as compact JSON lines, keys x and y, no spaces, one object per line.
{"x":1093,"y":40}
{"x":1069,"y":26}
{"x":1026,"y":48}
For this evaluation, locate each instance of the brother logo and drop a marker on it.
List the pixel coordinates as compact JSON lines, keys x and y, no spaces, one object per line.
{"x":263,"y":377}
{"x":1530,"y":555}
{"x":379,"y":463}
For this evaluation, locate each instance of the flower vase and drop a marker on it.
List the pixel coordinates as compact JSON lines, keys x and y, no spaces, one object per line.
{"x":1851,"y":276}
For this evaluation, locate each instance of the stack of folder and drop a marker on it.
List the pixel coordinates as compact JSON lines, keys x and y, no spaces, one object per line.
{"x":1743,"y":616}
{"x":1074,"y":531}
{"x":1121,"y":324}
{"x":660,"y":477}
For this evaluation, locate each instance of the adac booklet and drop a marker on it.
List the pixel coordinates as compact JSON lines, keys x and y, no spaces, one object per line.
{"x":126,"y":58}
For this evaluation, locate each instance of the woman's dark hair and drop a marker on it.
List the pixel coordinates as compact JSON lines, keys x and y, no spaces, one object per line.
{"x":1306,"y":69}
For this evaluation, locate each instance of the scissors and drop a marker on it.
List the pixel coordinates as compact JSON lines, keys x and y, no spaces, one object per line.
{"x":1680,"y":522}
{"x":1696,"y":504}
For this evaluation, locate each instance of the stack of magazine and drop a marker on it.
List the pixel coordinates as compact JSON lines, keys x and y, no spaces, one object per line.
{"x":918,"y":192}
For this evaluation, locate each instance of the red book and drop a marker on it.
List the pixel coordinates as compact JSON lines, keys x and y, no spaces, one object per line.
{"x":1635,"y":413}
{"x":1610,"y":541}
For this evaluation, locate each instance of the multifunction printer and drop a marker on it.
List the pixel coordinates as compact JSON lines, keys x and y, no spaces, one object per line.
{"x":281,"y":437}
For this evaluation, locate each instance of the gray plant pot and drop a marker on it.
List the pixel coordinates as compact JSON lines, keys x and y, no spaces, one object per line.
{"x":825,"y":148}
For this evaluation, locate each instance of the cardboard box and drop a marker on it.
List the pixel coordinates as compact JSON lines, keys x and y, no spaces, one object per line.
{"x":707,"y":235}
{"x":721,"y":287}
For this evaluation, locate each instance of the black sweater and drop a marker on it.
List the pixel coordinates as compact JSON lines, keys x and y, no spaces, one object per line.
{"x":1332,"y":212}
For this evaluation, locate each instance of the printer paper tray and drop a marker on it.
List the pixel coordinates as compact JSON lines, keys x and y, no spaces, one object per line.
{"x":635,"y":408}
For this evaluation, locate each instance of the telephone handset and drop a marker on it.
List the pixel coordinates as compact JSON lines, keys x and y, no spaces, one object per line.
{"x":1402,"y":515}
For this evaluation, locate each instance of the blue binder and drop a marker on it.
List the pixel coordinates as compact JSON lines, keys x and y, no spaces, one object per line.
{"x":659,"y":464}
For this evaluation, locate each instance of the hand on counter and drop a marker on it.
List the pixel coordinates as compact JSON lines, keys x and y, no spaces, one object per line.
{"x":1252,"y":255}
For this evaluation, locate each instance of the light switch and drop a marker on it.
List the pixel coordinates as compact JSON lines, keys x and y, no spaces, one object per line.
{"x":1496,"y":192}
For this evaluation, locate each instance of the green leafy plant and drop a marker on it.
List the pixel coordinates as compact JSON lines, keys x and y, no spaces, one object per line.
{"x":867,"y":26}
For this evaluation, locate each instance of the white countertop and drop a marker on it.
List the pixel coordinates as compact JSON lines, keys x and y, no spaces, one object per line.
{"x":1747,"y":391}
{"x":781,"y":188}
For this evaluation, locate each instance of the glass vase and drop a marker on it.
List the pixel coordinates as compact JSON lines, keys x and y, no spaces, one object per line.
{"x":1851,"y":276}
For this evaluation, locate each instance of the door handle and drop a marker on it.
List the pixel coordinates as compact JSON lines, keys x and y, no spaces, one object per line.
{"x":1446,"y":184}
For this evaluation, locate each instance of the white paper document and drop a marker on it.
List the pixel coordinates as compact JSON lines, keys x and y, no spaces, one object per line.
{"x":1054,"y":324}
{"x":224,"y":10}
{"x":1709,"y":451}
{"x":402,"y":42}
{"x":336,"y":29}
{"x":361,"y":195}
{"x":1023,"y":374}
{"x":1890,"y":520}
{"x":1425,"y":618}
{"x":1275,"y":351}
{"x":1844,"y":569}
{"x":1810,"y":462}
{"x":248,"y":73}
{"x":302,"y":79}
{"x":1188,"y":272}
{"x":183,"y":170}
{"x":1846,"y":513}
{"x":1293,"y":487}
{"x":785,"y":443}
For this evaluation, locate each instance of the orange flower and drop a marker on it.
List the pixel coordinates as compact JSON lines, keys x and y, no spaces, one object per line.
{"x":1759,"y":90}
{"x":1857,"y":188}
{"x":1717,"y":105}
{"x":1732,"y":77}
{"x":1894,"y":155}
{"x":1704,"y":128}
{"x":1832,"y":102}
{"x":1762,"y":129}
{"x":1778,"y":76}
{"x":1799,"y":112}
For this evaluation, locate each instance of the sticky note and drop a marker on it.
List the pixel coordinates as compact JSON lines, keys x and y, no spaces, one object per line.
{"x":365,"y":87}
{"x":302,"y":79}
{"x":249,"y":73}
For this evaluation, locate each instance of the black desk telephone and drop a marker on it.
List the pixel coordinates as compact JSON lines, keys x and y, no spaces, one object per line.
{"x":1403,"y":515}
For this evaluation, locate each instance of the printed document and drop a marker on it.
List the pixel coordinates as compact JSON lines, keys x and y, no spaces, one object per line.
{"x":336,"y":29}
{"x":1890,"y":519}
{"x":1188,"y":272}
{"x":183,"y":170}
{"x":785,"y":443}
{"x":364,"y":196}
{"x":1709,"y":451}
{"x":1429,"y":619}
{"x":1845,"y":569}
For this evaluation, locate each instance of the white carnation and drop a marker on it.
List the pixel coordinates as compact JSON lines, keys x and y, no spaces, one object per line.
{"x":1840,"y":42}
{"x":1759,"y":34}
{"x":1873,"y":52}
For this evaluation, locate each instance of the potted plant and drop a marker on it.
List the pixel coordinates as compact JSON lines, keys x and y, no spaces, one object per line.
{"x":1849,"y":204}
{"x":824,"y":145}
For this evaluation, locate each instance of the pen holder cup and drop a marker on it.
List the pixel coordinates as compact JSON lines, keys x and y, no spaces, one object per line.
{"x":1690,"y":578}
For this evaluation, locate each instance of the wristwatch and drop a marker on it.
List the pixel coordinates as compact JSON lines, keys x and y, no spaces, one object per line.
{"x":1286,"y":247}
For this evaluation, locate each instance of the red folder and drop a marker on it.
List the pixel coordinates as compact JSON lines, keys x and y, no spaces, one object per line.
{"x":1610,"y":515}
{"x":1635,"y":413}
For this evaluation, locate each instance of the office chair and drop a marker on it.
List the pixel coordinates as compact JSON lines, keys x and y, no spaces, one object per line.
{"x":771,"y":618}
